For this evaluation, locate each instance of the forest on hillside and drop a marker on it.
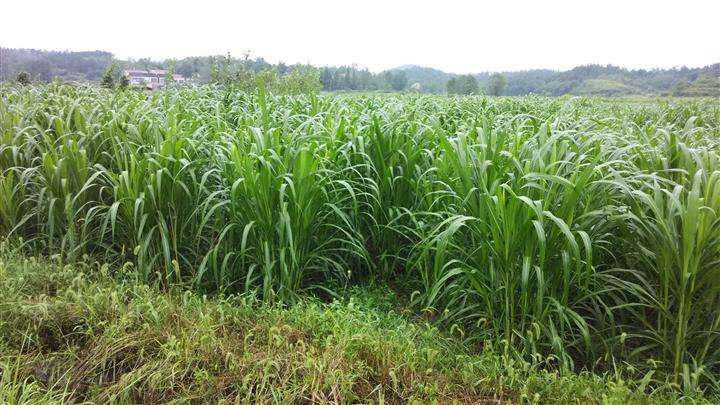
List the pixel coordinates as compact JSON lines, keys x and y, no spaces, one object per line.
{"x":588,"y":80}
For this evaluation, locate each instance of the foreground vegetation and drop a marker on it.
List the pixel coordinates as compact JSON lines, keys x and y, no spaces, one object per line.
{"x":92,"y":333}
{"x":568,"y":234}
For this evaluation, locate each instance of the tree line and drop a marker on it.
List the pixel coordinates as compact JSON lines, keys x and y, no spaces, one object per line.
{"x":583,"y":80}
{"x":469,"y":85}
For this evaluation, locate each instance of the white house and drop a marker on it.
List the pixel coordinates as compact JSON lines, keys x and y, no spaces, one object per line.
{"x":151,"y":79}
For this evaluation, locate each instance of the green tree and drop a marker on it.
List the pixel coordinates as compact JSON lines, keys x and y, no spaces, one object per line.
{"x":497,"y":84}
{"x":300,"y":80}
{"x":169,"y":73}
{"x":108,"y":79}
{"x":469,"y":85}
{"x":399,"y":81}
{"x":452,"y":86}
{"x":267,"y":79}
{"x":326,"y":79}
{"x":214,"y":70}
{"x":124,"y":82}
{"x":23,"y":78}
{"x":465,"y":84}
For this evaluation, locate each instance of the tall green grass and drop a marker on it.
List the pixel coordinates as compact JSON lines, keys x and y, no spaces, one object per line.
{"x":574,"y":232}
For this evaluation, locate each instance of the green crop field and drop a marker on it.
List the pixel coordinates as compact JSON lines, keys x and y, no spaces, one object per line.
{"x":570,"y":238}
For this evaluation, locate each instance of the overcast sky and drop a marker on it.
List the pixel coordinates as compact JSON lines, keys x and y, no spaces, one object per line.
{"x":456,"y":36}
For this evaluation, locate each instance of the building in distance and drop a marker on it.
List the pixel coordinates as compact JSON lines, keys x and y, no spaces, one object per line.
{"x":152,"y":79}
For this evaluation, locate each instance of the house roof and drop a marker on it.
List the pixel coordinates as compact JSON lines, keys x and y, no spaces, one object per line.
{"x":151,"y":73}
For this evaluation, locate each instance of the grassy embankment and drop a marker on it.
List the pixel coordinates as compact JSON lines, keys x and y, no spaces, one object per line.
{"x":89,"y":332}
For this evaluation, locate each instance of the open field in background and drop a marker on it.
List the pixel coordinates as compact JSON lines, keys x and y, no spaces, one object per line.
{"x":566,"y":235}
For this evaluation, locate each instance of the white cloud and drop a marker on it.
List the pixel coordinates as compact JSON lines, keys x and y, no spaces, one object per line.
{"x":453,"y":35}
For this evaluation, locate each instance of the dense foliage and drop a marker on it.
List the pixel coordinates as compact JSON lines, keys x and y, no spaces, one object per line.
{"x":295,"y":80}
{"x":703,"y":86}
{"x":45,"y":65}
{"x":497,"y":85}
{"x":578,"y":233}
{"x":465,"y":84}
{"x":589,"y":80}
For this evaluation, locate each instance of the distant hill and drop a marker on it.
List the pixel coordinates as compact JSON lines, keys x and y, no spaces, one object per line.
{"x":583,"y":80}
{"x":704,"y":86}
{"x":596,"y":80}
{"x":430,"y":80}
{"x":45,"y":65}
{"x":604,"y":87}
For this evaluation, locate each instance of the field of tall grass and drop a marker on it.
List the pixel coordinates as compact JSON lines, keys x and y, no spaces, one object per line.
{"x":575,"y":234}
